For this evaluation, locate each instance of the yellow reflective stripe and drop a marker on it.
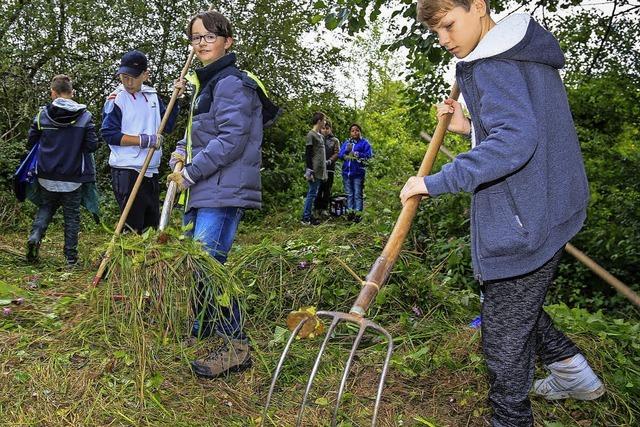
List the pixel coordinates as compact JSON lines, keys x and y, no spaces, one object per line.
{"x":38,"y":119}
{"x":193,"y":79}
{"x":257,"y":80}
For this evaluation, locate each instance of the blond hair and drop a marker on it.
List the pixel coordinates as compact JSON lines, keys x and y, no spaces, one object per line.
{"x":430,"y":12}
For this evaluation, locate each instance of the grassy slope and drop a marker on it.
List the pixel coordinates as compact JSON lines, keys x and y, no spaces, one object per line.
{"x":63,"y":363}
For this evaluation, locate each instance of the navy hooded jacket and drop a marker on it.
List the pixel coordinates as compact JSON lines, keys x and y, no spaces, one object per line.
{"x":526,"y":173}
{"x":67,"y":138}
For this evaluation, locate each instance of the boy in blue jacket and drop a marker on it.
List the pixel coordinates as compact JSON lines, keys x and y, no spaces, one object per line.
{"x":222,"y":155}
{"x":530,"y":195}
{"x":355,"y":152}
{"x":67,"y":138}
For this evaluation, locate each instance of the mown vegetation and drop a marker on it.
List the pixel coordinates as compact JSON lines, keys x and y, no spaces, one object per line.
{"x":70,"y":355}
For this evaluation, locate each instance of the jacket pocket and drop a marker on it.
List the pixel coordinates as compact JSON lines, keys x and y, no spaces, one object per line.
{"x":500,"y":230}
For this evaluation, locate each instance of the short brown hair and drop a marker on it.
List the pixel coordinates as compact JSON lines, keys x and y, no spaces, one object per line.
{"x":213,"y":21}
{"x":317,"y":116}
{"x":430,"y":12}
{"x":62,"y":84}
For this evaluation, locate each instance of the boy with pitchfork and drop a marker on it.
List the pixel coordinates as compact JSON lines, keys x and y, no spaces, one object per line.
{"x":530,"y":195}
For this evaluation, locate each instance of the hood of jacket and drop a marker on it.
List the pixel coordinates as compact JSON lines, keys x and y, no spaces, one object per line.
{"x":64,"y":112}
{"x":519,"y":37}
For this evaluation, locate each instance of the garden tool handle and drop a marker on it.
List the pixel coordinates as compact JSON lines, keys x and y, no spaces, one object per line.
{"x":167,"y":206}
{"x":578,"y":254}
{"x":143,"y":170}
{"x":381,"y":269}
{"x":604,"y":274}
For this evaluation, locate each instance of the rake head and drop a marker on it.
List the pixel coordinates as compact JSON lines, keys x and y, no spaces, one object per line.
{"x":335,"y":318}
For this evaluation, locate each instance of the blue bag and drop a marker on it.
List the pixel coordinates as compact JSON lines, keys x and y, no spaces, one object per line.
{"x":26,"y":173}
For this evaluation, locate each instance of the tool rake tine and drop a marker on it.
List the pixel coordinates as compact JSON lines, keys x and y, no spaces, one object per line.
{"x":276,"y":374}
{"x":347,"y":368}
{"x":314,"y":370}
{"x":385,"y":368}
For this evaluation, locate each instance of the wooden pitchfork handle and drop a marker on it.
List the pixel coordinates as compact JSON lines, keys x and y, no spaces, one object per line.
{"x":381,"y":269}
{"x":577,"y":253}
{"x":145,"y":166}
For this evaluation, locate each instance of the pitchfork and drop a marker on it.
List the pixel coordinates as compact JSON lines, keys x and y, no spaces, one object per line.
{"x":376,"y":278}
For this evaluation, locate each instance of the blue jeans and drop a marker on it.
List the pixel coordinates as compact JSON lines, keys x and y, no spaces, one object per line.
{"x":353,"y":189}
{"x":216,"y":228}
{"x":312,"y":193}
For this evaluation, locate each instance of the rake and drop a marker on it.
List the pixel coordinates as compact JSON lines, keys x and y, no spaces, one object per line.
{"x":376,"y":278}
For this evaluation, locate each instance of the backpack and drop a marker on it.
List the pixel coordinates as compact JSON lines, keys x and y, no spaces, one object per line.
{"x":26,"y":172}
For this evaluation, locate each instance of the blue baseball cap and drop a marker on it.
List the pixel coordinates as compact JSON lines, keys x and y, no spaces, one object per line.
{"x":133,"y":63}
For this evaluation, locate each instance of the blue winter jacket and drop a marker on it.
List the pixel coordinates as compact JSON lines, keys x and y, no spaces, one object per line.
{"x":67,"y":138}
{"x":354,"y":166}
{"x":226,"y":139}
{"x":526,"y":172}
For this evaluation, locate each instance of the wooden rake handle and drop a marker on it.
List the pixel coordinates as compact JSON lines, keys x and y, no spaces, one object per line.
{"x":381,"y":269}
{"x":604,"y":274}
{"x":577,"y":253}
{"x":143,"y":170}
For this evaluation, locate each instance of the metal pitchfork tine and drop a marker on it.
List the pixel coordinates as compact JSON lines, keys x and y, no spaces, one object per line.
{"x":376,"y":278}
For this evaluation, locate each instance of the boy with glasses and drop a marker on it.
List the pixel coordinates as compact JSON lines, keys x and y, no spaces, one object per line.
{"x":222,"y":154}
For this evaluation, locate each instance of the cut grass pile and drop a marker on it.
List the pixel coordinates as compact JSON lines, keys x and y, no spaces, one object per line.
{"x":64,"y":360}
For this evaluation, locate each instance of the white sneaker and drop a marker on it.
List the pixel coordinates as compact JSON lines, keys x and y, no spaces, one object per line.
{"x":571,"y":379}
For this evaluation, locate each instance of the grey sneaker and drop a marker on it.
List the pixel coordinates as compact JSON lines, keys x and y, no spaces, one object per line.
{"x":233,"y":356}
{"x":572,"y":379}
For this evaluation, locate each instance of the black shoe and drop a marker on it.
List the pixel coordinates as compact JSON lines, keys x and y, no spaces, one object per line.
{"x":33,"y":251}
{"x":356,"y":218}
{"x":72,"y":263}
{"x":312,"y":221}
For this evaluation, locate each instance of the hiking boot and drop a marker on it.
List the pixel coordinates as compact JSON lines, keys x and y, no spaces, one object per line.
{"x":72,"y":263}
{"x":570,"y":379}
{"x":33,"y":250}
{"x":233,"y":356}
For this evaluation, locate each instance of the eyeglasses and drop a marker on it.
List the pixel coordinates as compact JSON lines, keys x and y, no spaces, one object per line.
{"x":209,"y":38}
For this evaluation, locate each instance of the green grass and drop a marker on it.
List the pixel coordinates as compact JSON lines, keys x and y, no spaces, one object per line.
{"x":72,"y":356}
{"x":65,"y":361}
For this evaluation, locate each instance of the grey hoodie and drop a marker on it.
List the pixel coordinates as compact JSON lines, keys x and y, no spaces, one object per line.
{"x":526,"y":173}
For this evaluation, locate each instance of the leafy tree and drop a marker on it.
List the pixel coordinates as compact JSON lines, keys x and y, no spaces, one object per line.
{"x":86,"y":40}
{"x":598,"y":42}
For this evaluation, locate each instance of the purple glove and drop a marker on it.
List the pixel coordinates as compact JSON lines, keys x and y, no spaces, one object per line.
{"x":151,"y":141}
{"x":179,"y":155}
